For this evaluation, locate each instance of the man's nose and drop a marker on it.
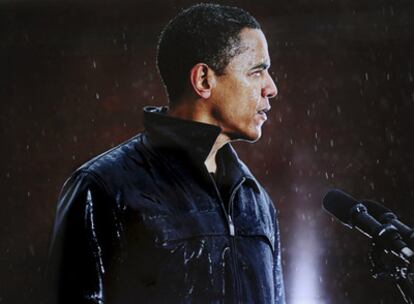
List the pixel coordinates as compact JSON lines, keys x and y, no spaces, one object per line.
{"x":269,"y":89}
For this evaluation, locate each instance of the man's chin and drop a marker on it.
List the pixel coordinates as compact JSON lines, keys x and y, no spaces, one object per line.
{"x":250,"y":137}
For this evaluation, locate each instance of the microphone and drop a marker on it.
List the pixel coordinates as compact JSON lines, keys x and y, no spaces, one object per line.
{"x":354,"y":214}
{"x":385,"y":215}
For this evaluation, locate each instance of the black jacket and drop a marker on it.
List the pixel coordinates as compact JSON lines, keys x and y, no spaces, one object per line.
{"x":146,"y":223}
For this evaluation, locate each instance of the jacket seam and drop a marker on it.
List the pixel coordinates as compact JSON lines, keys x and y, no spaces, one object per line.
{"x":98,"y":180}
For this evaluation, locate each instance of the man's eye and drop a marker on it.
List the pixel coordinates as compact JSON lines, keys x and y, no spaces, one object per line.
{"x":258,"y":73}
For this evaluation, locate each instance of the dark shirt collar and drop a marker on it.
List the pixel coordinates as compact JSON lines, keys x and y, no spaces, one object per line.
{"x":193,"y":141}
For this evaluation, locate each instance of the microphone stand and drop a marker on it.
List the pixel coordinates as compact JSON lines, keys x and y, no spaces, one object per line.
{"x":392,"y":267}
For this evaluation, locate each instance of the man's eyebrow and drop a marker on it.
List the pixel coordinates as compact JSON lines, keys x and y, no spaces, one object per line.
{"x":261,"y":66}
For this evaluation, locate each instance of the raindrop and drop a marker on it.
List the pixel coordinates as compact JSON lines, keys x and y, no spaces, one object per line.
{"x":97,"y":96}
{"x":338,"y":109}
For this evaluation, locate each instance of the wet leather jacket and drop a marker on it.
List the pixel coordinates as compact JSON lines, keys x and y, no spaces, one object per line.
{"x":146,"y":223}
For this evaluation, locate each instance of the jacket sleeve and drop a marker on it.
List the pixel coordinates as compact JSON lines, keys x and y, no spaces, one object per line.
{"x":82,"y":242}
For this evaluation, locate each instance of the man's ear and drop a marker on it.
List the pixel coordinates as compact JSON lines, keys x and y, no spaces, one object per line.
{"x":202,"y":80}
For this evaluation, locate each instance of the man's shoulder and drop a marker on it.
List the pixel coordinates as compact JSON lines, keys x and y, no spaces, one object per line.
{"x":119,"y":163}
{"x":115,"y":156}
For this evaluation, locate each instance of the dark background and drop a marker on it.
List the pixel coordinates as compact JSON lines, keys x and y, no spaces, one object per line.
{"x":74,"y":76}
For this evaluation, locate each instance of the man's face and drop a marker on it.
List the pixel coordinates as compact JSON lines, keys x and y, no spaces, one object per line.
{"x":241,"y":95}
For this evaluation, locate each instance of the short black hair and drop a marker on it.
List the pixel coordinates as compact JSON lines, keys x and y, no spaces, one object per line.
{"x":203,"y":33}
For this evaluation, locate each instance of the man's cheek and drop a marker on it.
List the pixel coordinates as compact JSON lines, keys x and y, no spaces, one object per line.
{"x":255,"y":97}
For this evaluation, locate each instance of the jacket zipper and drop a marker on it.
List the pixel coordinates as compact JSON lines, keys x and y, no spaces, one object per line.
{"x":233,"y":240}
{"x":232,"y":233}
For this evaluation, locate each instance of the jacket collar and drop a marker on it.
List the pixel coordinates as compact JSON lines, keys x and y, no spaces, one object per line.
{"x":192,"y":140}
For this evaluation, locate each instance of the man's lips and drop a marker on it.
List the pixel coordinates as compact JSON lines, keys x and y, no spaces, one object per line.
{"x":263,"y":112}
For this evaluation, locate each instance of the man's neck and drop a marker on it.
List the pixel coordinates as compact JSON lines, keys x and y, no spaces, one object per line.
{"x":210,"y":161}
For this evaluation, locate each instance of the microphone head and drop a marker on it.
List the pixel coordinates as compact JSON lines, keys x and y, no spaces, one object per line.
{"x":340,"y":205}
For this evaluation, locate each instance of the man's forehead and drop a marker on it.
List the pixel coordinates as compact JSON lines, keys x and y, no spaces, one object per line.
{"x":253,"y":48}
{"x":252,"y":37}
{"x":255,"y":57}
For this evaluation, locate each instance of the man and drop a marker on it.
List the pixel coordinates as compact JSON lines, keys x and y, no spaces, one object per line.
{"x":172,"y":215}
